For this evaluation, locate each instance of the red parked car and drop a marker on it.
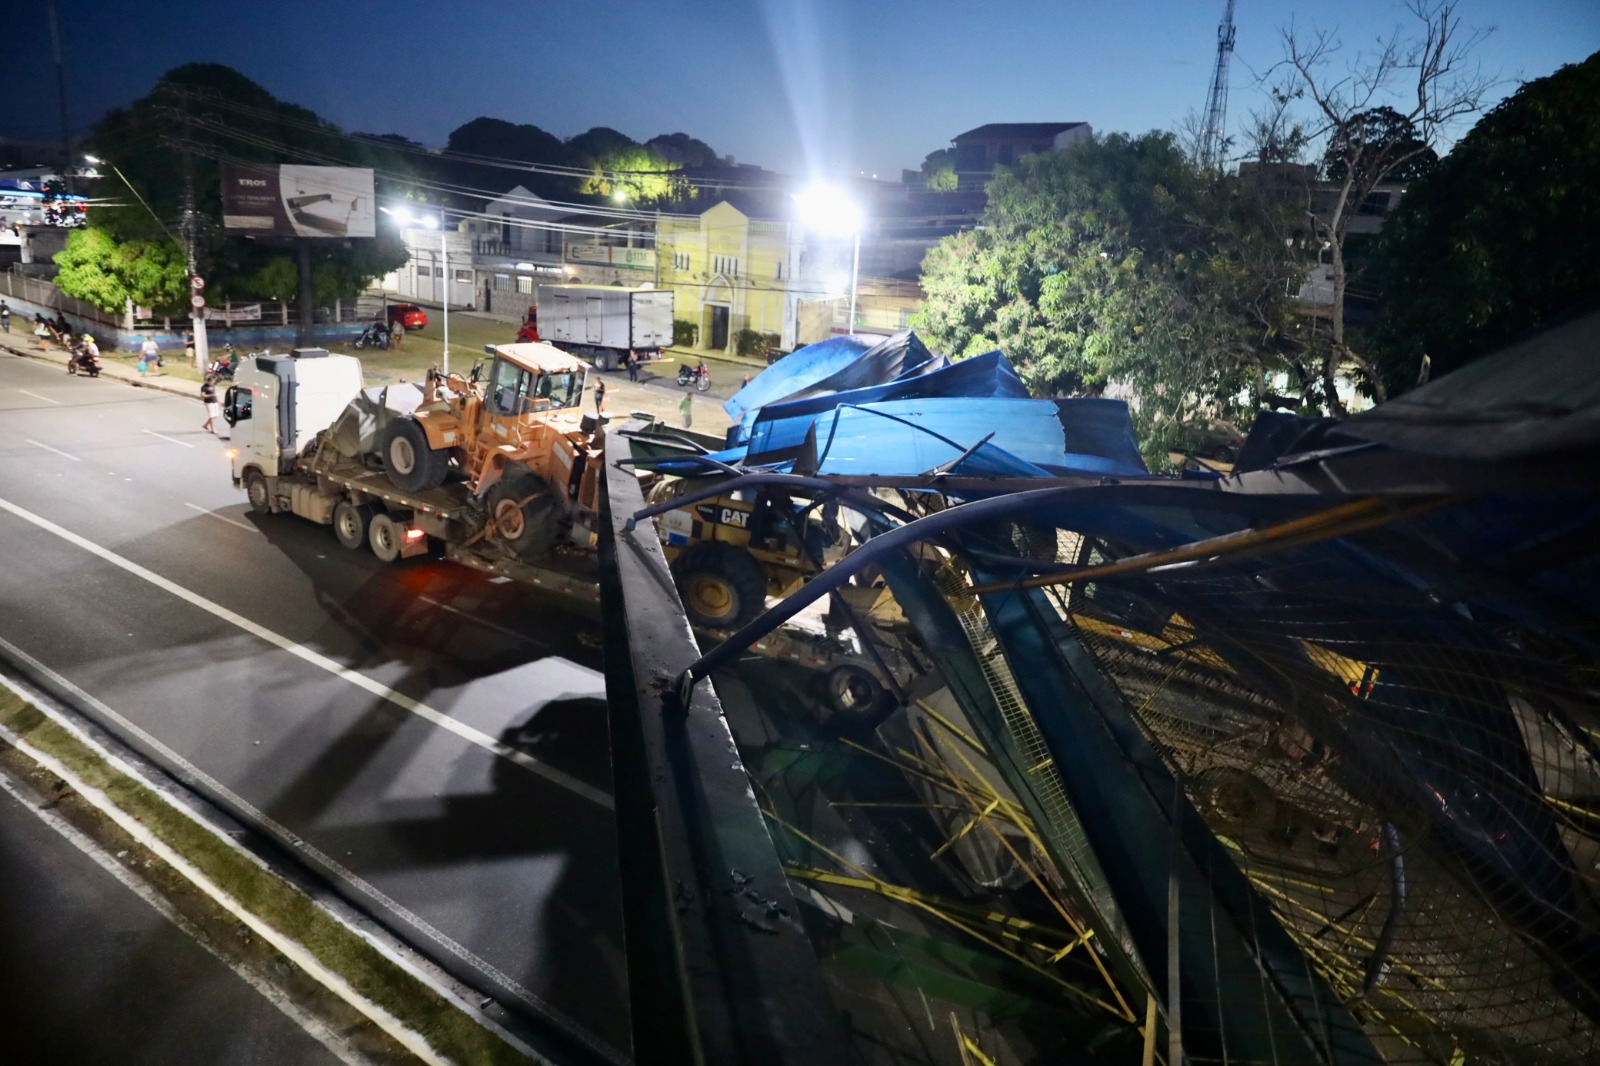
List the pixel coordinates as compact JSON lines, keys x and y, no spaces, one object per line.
{"x":408,"y":315}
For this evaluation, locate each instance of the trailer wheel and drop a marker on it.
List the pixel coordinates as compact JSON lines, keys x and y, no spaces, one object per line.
{"x":852,"y":691}
{"x":256,"y":490}
{"x":411,"y":463}
{"x":528,"y":528}
{"x":721,"y":586}
{"x":351,"y":523}
{"x":383,"y":537}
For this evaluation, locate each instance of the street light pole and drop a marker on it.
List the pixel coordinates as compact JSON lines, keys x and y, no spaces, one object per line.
{"x":444,"y":258}
{"x":855,"y":274}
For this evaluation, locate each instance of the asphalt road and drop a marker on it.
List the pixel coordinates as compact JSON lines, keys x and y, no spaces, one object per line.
{"x":431,"y":740}
{"x":94,"y":974}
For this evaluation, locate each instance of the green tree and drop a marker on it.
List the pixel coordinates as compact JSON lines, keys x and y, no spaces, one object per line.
{"x":939,"y":170}
{"x":219,"y":113}
{"x":1434,"y":71}
{"x":1381,"y":141}
{"x":1502,"y":236}
{"x":682,"y":149}
{"x":1117,"y":265}
{"x":102,"y":271}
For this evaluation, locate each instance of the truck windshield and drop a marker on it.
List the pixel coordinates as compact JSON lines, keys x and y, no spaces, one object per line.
{"x":562,"y":390}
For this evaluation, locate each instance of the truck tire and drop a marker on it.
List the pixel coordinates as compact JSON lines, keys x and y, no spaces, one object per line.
{"x":852,"y":691}
{"x":351,"y":523}
{"x":722,"y":587}
{"x":412,"y":465}
{"x":532,"y":528}
{"x":383,"y":537}
{"x":258,"y":492}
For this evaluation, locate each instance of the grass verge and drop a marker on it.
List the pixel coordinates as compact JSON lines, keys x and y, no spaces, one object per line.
{"x":442,"y":1024}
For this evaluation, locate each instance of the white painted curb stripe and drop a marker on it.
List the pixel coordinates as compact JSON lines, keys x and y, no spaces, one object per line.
{"x":91,"y":849}
{"x":354,"y":677}
{"x":296,"y":954}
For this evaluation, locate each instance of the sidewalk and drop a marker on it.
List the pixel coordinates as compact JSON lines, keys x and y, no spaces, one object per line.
{"x":27,"y":346}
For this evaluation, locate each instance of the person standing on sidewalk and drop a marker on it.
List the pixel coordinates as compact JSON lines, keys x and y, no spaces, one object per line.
{"x":5,"y":316}
{"x":149,"y":353}
{"x":686,"y":409}
{"x":208,"y":396}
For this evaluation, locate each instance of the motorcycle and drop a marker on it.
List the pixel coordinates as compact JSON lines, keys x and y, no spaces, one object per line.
{"x":219,"y":368}
{"x":699,"y":376}
{"x":376,"y":335}
{"x":83,"y":360}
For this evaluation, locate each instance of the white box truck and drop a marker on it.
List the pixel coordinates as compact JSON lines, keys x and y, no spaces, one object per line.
{"x":603,"y":323}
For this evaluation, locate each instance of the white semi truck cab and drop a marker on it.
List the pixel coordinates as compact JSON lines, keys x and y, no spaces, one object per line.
{"x":277,"y":405}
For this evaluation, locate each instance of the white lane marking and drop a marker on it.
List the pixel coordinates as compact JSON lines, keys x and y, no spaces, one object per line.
{"x":58,"y":451}
{"x":36,"y":396}
{"x":222,"y":518}
{"x":92,"y":850}
{"x":317,"y":659}
{"x":190,"y":773}
{"x":164,"y":437}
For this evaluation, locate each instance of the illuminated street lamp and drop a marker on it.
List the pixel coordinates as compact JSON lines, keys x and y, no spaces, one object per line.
{"x":433,"y":222}
{"x":830,"y":212}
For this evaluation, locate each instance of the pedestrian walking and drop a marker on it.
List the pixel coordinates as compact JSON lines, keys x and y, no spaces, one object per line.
{"x":599,"y":397}
{"x":41,"y":332}
{"x":149,"y":353}
{"x":633,"y":366}
{"x":208,"y":396}
{"x":397,"y":333}
{"x":5,"y":316}
{"x":686,"y":409}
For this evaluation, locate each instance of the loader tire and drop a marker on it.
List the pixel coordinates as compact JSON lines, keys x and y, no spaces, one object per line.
{"x":853,"y":691}
{"x":528,"y":528}
{"x":412,"y":465}
{"x":722,"y":587}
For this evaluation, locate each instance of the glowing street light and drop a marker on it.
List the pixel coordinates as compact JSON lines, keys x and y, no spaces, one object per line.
{"x":829,"y":211}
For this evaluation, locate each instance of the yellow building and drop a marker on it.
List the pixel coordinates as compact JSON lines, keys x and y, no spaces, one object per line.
{"x":730,"y":272}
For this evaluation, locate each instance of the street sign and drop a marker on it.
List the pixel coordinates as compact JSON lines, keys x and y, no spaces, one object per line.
{"x":196,"y":282}
{"x":197,"y":301}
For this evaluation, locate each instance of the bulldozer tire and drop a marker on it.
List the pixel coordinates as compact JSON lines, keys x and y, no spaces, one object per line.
{"x":257,"y":492}
{"x":383,"y":537}
{"x":351,"y":523}
{"x":532,"y":528}
{"x":412,"y":465}
{"x":721,"y":586}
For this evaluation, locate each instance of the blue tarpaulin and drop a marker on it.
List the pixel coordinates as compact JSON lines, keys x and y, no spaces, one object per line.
{"x":795,"y":371}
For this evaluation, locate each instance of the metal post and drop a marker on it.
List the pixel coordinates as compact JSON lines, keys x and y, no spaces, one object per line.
{"x":307,"y":295}
{"x":444,"y":258}
{"x":61,"y":98}
{"x":191,"y":221}
{"x":855,"y":267}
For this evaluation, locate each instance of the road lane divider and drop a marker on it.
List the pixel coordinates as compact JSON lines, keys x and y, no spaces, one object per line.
{"x":36,"y":396}
{"x":399,"y":699}
{"x":58,"y":451}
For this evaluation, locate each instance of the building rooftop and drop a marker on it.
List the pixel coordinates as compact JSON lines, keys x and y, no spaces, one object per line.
{"x":1015,"y":130}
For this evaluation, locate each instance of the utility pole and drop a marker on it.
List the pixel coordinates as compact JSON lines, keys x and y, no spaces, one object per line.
{"x":61,"y":98}
{"x":191,"y":224}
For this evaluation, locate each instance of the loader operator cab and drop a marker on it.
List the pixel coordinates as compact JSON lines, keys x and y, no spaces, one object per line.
{"x":515,"y":390}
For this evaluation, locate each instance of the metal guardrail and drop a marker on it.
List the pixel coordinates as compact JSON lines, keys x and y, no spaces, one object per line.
{"x":719,"y":967}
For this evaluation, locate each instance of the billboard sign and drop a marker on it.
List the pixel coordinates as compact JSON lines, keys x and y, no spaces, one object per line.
{"x":296,"y":201}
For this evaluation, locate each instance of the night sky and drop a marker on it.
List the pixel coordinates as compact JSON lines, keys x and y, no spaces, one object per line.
{"x":825,"y":86}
